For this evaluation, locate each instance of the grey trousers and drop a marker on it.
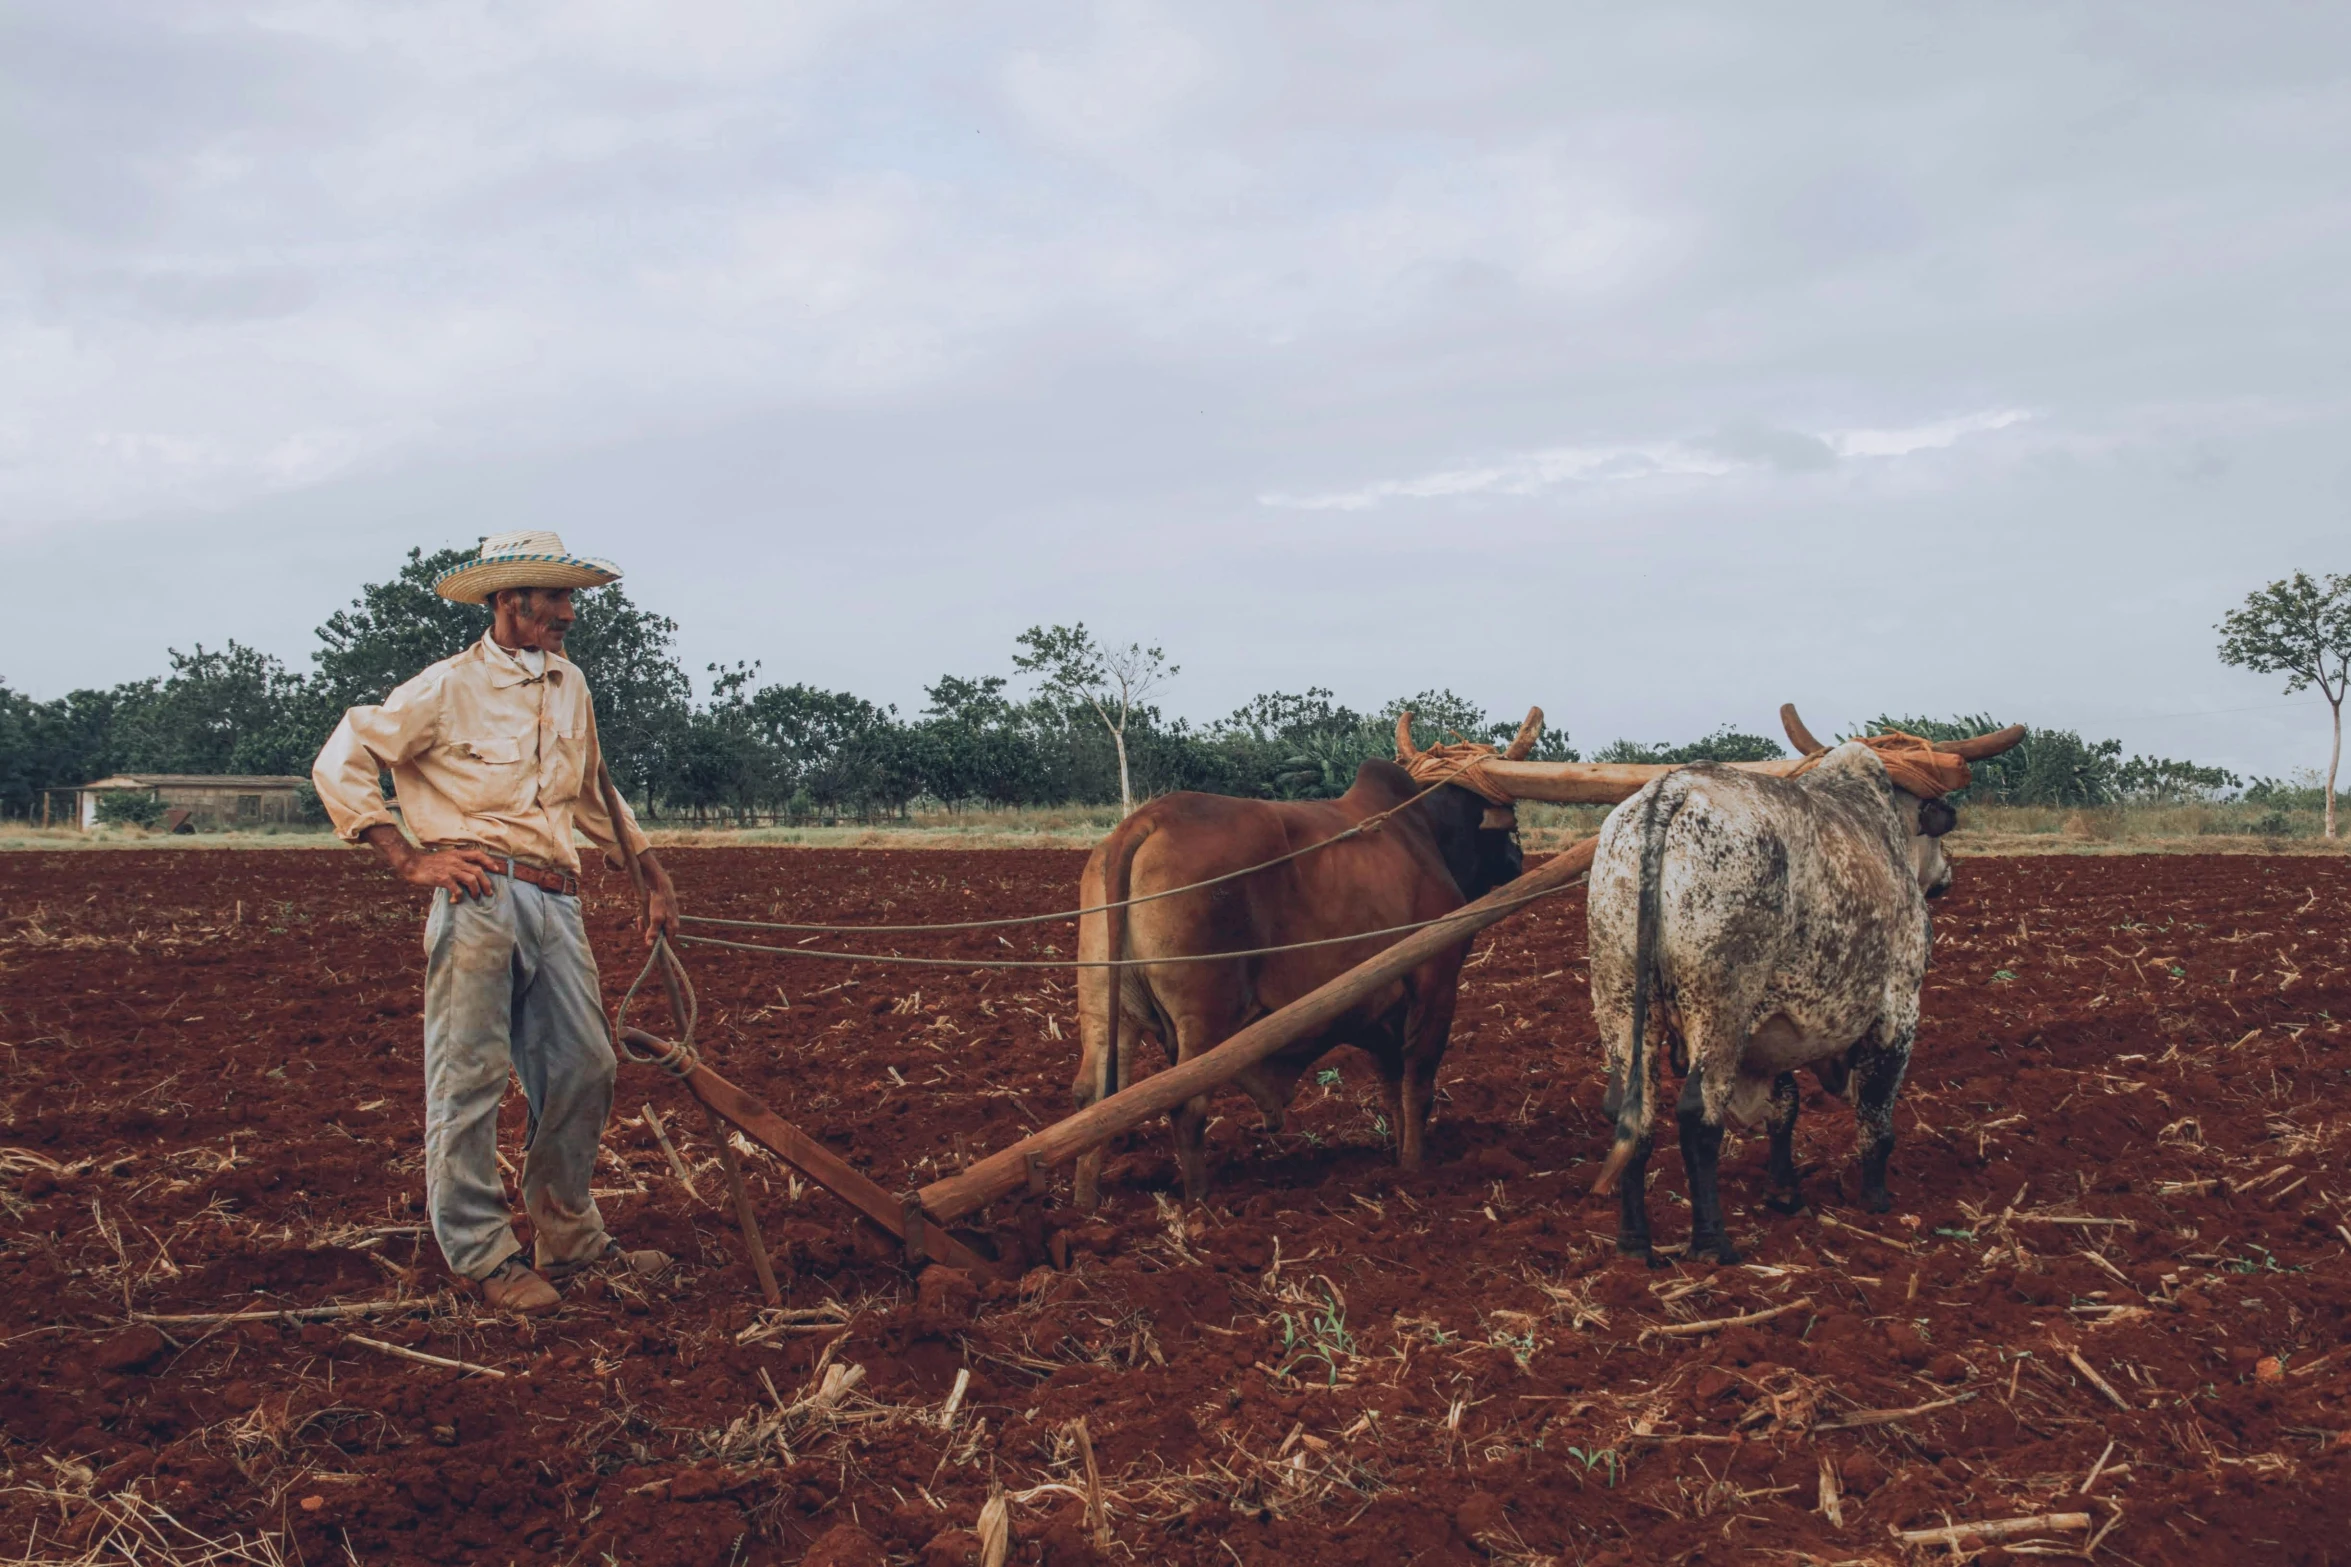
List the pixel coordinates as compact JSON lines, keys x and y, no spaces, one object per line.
{"x":510,"y":981}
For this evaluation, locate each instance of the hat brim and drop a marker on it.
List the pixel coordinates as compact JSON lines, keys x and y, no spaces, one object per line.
{"x":475,"y":581}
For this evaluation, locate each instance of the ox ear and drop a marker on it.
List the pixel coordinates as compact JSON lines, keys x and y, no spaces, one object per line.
{"x":1498,"y":818}
{"x":1935,"y":817}
{"x":1798,"y":736}
{"x":1522,"y":744}
{"x":1982,"y":746}
{"x":1406,"y":751}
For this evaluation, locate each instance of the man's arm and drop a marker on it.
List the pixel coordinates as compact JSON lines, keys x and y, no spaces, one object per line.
{"x":465,"y":872}
{"x":617,"y":833}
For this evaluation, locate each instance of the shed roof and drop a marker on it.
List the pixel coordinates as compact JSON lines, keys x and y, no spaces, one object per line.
{"x":262,"y":781}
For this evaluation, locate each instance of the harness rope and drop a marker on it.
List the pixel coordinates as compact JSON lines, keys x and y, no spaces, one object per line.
{"x":1912,"y":763}
{"x":1036,"y":963}
{"x":1450,"y":771}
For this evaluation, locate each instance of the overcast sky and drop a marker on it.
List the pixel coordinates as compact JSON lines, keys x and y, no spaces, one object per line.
{"x":1656,"y":364}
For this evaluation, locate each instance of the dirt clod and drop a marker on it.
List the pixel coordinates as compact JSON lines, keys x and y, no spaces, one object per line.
{"x":130,"y":1350}
{"x":845,"y":1545}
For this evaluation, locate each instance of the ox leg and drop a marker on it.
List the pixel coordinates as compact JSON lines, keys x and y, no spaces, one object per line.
{"x":1189,"y":1124}
{"x":1701,"y":1161}
{"x":1416,"y":1095}
{"x":1786,"y":1180}
{"x":1632,"y":1194}
{"x":1273,"y":1102}
{"x":1086,"y":1182}
{"x":1878,"y":1071}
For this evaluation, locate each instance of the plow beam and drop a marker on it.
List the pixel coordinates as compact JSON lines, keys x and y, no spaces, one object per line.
{"x":1007,"y":1170}
{"x":924,"y":1236}
{"x":1599,"y":783}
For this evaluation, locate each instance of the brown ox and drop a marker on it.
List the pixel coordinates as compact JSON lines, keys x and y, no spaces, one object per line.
{"x":1419,"y":864}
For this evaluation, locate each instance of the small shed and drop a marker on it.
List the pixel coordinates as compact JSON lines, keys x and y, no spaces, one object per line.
{"x":209,"y":801}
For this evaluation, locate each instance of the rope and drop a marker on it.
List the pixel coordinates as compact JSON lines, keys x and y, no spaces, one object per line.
{"x":673,"y":1057}
{"x":1368,"y":824}
{"x":1037,"y":963}
{"x":1460,"y":762}
{"x":1912,"y":763}
{"x":684,"y":1004}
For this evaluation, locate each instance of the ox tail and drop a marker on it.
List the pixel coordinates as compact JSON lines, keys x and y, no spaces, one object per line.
{"x":1632,"y":1109}
{"x":1118,"y":866}
{"x":1118,"y":877}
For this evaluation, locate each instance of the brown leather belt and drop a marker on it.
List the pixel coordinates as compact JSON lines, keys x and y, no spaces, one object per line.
{"x":546,"y":881}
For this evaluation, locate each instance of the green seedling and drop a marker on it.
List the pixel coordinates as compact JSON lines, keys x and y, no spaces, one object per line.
{"x":1597,"y":1458}
{"x":1317,"y":1334}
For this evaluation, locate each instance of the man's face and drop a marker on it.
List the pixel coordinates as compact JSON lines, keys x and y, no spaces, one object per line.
{"x":535,"y":617}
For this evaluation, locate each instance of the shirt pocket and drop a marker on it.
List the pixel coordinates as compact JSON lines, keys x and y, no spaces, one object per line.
{"x":567,"y":768}
{"x":488,"y":775}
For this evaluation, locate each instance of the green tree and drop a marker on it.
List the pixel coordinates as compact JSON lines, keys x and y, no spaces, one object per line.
{"x":643,"y":699}
{"x":230,"y":711}
{"x":2048,"y":767}
{"x":974,"y":743}
{"x":1724,"y":745}
{"x":1070,"y":665}
{"x":2300,"y":628}
{"x":129,"y":807}
{"x":390,"y":632}
{"x":827,"y":743}
{"x":18,"y":714}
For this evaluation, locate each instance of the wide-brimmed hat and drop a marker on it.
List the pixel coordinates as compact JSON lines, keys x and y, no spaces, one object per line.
{"x":522,"y":560}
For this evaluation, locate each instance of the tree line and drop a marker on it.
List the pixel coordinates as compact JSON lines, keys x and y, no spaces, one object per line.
{"x":1084,"y":733}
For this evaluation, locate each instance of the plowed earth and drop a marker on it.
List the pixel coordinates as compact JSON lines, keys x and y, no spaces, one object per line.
{"x":2119,"y":1233}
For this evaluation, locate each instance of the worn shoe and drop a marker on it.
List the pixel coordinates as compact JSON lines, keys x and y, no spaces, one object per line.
{"x":514,"y":1287}
{"x":642,"y":1264}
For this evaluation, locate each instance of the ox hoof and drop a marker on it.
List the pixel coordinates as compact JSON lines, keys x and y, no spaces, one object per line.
{"x":1879,"y":1201}
{"x":1788,"y":1203}
{"x":1722,"y":1251}
{"x":1638,"y":1246}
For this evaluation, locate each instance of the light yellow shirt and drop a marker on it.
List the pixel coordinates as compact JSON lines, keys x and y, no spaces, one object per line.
{"x":481,"y":751}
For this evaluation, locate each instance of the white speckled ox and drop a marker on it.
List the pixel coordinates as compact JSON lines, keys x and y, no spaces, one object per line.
{"x":1775,"y":924}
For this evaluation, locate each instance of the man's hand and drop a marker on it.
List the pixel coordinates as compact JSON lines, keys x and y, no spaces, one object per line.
{"x":661,"y":900}
{"x":464,"y":872}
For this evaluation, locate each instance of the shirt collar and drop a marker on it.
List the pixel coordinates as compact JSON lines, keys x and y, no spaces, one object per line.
{"x":507,"y":670}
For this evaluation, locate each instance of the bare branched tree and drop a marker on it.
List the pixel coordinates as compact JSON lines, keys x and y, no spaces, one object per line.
{"x":1113,"y":681}
{"x":2300,"y":628}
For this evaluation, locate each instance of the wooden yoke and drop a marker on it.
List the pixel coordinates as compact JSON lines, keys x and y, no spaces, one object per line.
{"x":1006,"y":1171}
{"x":1601,"y":783}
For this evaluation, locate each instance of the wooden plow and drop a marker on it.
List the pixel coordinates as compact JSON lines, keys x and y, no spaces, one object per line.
{"x":920,"y":1219}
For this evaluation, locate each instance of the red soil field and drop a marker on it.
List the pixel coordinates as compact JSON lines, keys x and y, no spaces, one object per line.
{"x":2120,"y":1232}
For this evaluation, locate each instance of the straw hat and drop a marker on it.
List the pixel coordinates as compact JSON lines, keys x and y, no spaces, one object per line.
{"x":534,"y":559}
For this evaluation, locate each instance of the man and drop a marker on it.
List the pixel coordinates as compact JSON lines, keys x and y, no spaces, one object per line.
{"x":494,"y":756}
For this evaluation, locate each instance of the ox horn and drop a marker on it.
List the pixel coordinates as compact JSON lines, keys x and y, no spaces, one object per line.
{"x":1405,"y":749}
{"x":1523,"y":742}
{"x":1798,"y":736}
{"x":1982,"y":746}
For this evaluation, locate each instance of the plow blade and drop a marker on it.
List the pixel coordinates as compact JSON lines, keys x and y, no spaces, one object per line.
{"x":924,"y":1237}
{"x":1001,"y":1173}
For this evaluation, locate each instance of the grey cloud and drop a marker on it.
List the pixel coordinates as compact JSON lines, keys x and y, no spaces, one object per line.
{"x":1622,"y":328}
{"x":1790,"y":451}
